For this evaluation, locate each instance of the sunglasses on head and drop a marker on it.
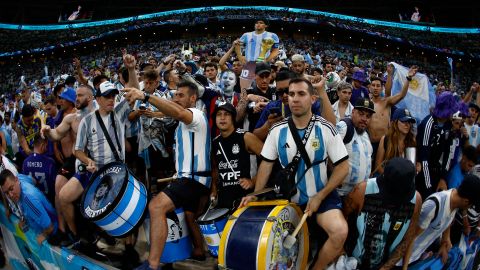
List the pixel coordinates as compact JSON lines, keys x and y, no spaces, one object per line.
{"x":281,"y":91}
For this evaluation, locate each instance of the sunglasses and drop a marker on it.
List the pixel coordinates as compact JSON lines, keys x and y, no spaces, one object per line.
{"x":282,"y":91}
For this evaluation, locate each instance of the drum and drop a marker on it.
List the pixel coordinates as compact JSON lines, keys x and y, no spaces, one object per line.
{"x":114,"y":199}
{"x":212,"y":224}
{"x":178,"y":246}
{"x":253,"y":238}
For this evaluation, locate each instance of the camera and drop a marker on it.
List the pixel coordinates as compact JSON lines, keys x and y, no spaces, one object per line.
{"x":142,"y":106}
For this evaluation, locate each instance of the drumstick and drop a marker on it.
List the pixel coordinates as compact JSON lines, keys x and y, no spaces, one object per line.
{"x":168,"y":179}
{"x":291,"y":239}
{"x":265,"y":190}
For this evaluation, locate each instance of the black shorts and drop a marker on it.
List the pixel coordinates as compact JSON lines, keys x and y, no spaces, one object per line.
{"x":68,"y":167}
{"x":332,"y":201}
{"x":186,"y":193}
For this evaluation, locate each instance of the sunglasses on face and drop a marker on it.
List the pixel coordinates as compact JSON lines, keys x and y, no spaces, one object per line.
{"x":282,"y":91}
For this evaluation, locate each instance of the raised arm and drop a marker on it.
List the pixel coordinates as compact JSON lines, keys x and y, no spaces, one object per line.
{"x":226,"y":56}
{"x":78,"y":67}
{"x":167,"y":107}
{"x":389,"y":82}
{"x":60,"y":131}
{"x":130,"y":63}
{"x":395,"y":99}
{"x":326,"y":106}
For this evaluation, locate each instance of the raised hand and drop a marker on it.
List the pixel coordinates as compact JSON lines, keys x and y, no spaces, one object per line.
{"x":129,"y":61}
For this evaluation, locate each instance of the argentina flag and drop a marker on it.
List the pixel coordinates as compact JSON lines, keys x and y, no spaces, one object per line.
{"x":420,"y":96}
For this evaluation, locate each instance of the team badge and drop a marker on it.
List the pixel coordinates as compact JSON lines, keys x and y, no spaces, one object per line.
{"x":315,"y":144}
{"x":235,"y":149}
{"x":397,"y":226}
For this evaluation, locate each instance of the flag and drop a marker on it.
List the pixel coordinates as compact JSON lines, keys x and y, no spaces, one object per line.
{"x":450,"y":62}
{"x":420,"y":96}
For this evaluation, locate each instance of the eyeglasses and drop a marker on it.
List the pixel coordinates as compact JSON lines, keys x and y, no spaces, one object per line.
{"x":281,"y":91}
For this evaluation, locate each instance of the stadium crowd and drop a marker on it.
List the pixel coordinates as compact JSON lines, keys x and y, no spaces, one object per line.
{"x":231,"y":116}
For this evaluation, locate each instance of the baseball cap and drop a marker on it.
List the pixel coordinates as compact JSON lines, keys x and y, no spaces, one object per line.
{"x":364,"y":104}
{"x":469,"y":189}
{"x":69,"y":95}
{"x":397,"y":183}
{"x":403,"y":115}
{"x":106,"y":88}
{"x":228,"y":107}
{"x":262,"y":67}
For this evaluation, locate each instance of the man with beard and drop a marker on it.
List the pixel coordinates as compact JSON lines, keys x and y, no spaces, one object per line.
{"x":356,"y":140}
{"x":68,"y":129}
{"x":380,"y":120}
{"x":314,"y":189}
{"x":192,"y":164}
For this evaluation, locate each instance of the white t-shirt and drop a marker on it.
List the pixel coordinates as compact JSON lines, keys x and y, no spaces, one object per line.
{"x":324,"y":141}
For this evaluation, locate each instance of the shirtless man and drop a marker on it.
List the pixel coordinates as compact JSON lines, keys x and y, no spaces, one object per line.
{"x":380,"y":120}
{"x":66,"y":132}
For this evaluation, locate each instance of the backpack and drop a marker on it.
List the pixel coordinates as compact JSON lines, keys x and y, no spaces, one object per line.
{"x":350,"y":130}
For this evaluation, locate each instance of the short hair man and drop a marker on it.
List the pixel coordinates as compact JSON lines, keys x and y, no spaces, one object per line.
{"x":342,"y":107}
{"x":232,"y":147}
{"x":38,"y":213}
{"x":320,"y":199}
{"x":41,"y":168}
{"x":191,"y":190}
{"x":438,"y":212}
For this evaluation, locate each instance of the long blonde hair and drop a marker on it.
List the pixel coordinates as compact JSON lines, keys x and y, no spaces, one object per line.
{"x":393,"y":147}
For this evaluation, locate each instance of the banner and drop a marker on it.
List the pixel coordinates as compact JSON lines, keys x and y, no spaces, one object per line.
{"x":23,"y":251}
{"x":420,"y":97}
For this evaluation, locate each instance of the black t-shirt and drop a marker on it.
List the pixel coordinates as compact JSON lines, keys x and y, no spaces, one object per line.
{"x":230,"y":171}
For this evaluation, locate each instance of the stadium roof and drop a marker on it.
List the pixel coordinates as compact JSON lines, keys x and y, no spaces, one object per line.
{"x":461,"y":13}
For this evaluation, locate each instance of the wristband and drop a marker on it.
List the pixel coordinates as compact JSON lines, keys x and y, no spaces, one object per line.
{"x":146,"y":98}
{"x":409,"y":78}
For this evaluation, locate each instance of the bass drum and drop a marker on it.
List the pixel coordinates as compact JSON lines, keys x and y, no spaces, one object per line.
{"x":253,"y":238}
{"x":114,"y":200}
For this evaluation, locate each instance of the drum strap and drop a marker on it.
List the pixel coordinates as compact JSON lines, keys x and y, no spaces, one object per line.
{"x":228,"y":161}
{"x":107,"y":135}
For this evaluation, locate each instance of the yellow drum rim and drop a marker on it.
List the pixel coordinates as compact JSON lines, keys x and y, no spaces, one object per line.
{"x":266,"y":230}
{"x":226,"y":233}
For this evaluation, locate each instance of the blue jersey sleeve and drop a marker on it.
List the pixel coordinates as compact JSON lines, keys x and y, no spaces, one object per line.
{"x":36,"y":215}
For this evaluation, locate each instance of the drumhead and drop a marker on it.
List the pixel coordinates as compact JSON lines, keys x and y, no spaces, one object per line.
{"x":213,"y":214}
{"x":101,"y":194}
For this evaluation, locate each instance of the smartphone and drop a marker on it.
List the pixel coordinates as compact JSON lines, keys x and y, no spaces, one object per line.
{"x":276,"y":110}
{"x":142,"y":107}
